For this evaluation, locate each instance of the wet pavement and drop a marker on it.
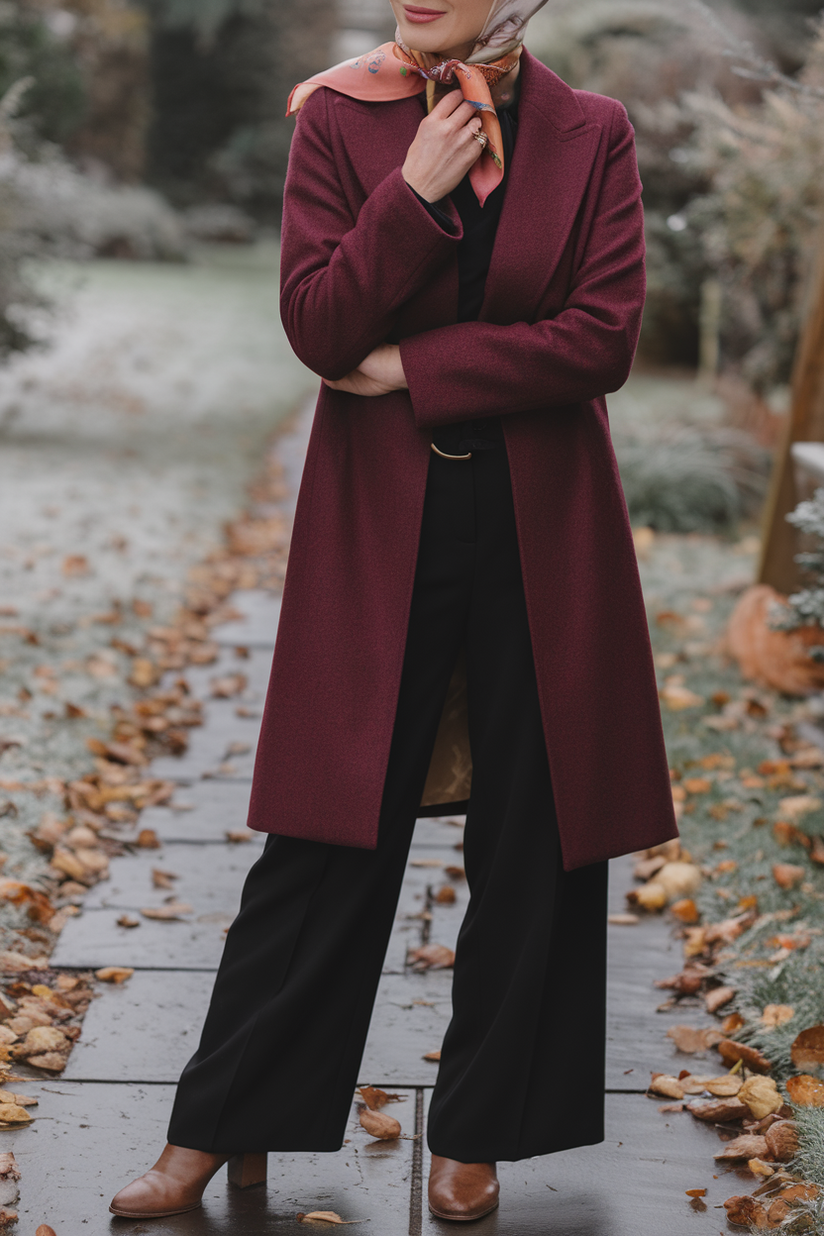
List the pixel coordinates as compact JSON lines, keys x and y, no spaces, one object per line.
{"x":103,"y":1122}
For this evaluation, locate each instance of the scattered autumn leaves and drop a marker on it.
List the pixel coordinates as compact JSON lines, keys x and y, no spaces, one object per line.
{"x":41,"y":1010}
{"x":746,"y":1104}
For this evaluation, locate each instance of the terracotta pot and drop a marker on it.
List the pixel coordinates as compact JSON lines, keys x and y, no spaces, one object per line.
{"x":778,"y":659}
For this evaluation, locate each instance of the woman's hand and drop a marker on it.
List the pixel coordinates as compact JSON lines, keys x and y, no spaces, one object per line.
{"x":380,"y":373}
{"x":444,"y":148}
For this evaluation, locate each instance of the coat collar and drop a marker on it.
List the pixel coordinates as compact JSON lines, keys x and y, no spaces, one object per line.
{"x":548,"y":175}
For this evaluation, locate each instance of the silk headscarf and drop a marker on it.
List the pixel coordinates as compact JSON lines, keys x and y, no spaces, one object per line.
{"x":394,"y":71}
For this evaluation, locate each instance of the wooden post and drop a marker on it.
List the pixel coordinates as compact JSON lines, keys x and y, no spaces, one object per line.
{"x":806,"y":424}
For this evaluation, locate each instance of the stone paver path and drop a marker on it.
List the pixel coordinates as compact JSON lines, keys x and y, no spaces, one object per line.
{"x":104,"y":1121}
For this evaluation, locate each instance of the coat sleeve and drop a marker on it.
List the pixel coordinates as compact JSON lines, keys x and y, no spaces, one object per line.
{"x":345,"y":272}
{"x":477,"y":369}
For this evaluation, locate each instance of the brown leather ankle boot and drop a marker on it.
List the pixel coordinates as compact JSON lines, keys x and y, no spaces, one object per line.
{"x":176,"y":1182}
{"x":462,"y":1191}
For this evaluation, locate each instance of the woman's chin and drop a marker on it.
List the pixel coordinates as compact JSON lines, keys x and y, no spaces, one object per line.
{"x":422,"y":38}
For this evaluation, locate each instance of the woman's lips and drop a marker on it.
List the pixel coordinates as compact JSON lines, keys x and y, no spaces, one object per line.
{"x":416,"y":14}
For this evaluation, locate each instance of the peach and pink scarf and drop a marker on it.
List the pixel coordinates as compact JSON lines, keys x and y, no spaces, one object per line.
{"x":394,"y":71}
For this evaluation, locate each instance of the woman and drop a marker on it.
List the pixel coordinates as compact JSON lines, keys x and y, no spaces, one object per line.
{"x":463,"y":264}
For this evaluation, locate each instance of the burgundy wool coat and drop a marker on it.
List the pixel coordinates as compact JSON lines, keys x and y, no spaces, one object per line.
{"x":363,"y":262}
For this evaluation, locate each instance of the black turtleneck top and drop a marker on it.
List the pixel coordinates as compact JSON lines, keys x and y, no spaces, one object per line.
{"x":480,"y":224}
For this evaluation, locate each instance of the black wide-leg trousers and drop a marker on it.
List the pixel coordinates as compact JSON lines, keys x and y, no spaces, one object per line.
{"x":522,"y":1063}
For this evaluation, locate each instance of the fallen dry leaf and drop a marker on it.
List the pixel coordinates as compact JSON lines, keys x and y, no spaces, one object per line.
{"x":10,"y":960}
{"x":324,"y":1216}
{"x":650,"y":897}
{"x":726,"y":1086}
{"x":799,"y":805}
{"x":51,"y":1061}
{"x":11,"y":1113}
{"x":128,"y":920}
{"x":75,"y":565}
{"x":43,"y":1039}
{"x":668,"y":1087}
{"x":45,"y":1230}
{"x":789,"y":834}
{"x":688,"y":982}
{"x":228,"y":685}
{"x":732,"y":1052}
{"x":807,"y":1051}
{"x":163,"y":879}
{"x":777,"y":1015}
{"x":69,"y":864}
{"x":445,"y":896}
{"x":689,"y":1040}
{"x":678,"y":697}
{"x":379,"y":1125}
{"x":782,"y":1140}
{"x":718,"y":997}
{"x":806,"y":1091}
{"x":746,"y":1212}
{"x":147,"y":839}
{"x":623,"y":920}
{"x":167,"y":914}
{"x":249,"y":537}
{"x":21,"y":1100}
{"x":800,"y":1192}
{"x":685,"y":910}
{"x":759,"y":1168}
{"x":720,"y":1110}
{"x":426,"y":862}
{"x":747,"y":1146}
{"x":761,"y":1096}
{"x":114,"y":974}
{"x":237,"y":837}
{"x":375,"y":1098}
{"x":693,"y":1084}
{"x":433,"y":1056}
{"x":431,"y":957}
{"x":787,"y":875}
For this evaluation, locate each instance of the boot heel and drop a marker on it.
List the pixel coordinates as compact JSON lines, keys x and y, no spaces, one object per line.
{"x":247,"y":1169}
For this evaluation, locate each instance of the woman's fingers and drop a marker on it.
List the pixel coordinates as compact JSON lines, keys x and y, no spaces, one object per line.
{"x":444,"y":148}
{"x":454,"y":108}
{"x":450,"y":102}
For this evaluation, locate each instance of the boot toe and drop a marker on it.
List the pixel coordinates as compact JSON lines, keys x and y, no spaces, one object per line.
{"x":150,"y":1198}
{"x":462,"y":1192}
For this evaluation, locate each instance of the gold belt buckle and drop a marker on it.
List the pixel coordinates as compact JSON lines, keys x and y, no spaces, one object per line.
{"x":443,"y":454}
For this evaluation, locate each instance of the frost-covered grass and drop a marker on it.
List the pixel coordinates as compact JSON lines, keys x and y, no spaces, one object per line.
{"x":739,"y":743}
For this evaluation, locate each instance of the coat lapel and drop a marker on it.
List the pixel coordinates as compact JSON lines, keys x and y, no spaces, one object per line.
{"x":551,"y":165}
{"x":376,"y":135}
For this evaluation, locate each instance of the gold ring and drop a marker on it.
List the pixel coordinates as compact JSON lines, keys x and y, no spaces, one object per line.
{"x":481,"y":138}
{"x":443,"y":455}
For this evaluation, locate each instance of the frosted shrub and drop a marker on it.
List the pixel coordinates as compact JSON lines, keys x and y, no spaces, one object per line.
{"x":81,"y":216}
{"x":806,"y":607}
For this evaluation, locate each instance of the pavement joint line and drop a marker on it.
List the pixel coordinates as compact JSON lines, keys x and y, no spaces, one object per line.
{"x":135,"y":849}
{"x":416,"y":1187}
{"x":174,"y":969}
{"x":394,"y":1084}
